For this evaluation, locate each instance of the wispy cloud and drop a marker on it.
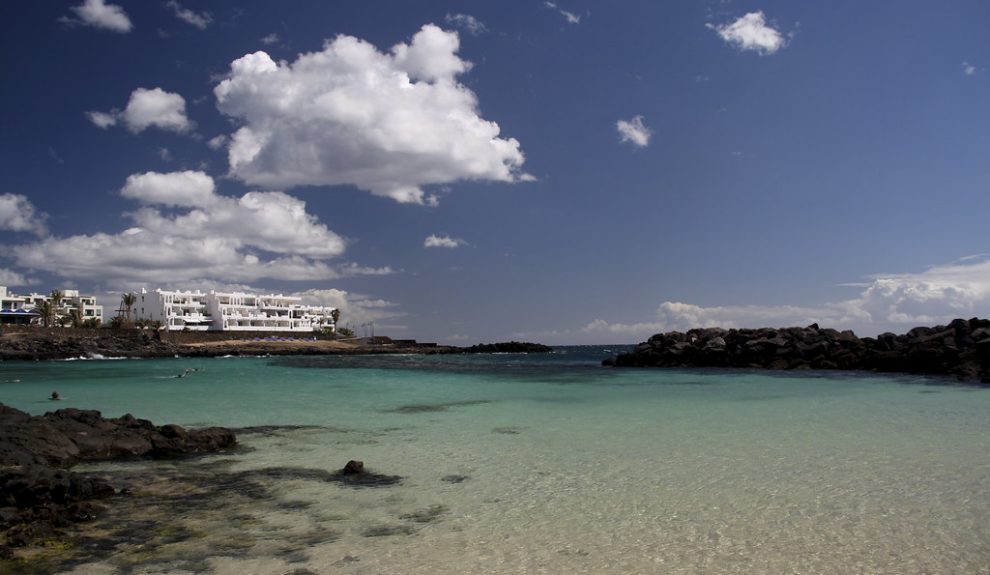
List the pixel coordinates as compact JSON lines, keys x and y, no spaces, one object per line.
{"x":968,"y":69}
{"x":466,"y":22}
{"x":634,"y":131}
{"x":199,"y":20}
{"x":571,"y":17}
{"x":217,"y":142}
{"x":751,"y":32}
{"x":10,"y":278}
{"x":435,"y":241}
{"x":270,"y":39}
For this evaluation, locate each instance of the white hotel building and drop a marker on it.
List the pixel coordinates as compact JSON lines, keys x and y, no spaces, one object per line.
{"x":13,"y":307}
{"x":231,"y":311}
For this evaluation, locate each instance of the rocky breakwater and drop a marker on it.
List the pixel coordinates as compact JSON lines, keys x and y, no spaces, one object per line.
{"x":40,"y":494}
{"x":960,"y":349}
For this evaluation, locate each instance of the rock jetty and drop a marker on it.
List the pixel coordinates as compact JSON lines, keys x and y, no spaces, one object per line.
{"x":40,"y":494}
{"x":960,"y":349}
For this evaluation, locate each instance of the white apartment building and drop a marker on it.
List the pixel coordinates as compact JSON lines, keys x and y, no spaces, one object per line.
{"x":13,"y":307}
{"x":175,"y":310}
{"x":231,"y":311}
{"x":86,"y":304}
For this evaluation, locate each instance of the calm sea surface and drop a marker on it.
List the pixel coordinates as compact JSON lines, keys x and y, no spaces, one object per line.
{"x":535,"y":464}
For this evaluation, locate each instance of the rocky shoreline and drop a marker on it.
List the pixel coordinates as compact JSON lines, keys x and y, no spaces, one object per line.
{"x":40,"y":344}
{"x":40,"y":495}
{"x":960,"y":349}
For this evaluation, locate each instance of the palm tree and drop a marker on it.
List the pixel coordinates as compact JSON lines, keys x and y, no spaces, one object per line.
{"x":76,"y":317}
{"x":46,"y":312}
{"x":335,"y":315}
{"x":57,"y":297}
{"x":127,"y":302}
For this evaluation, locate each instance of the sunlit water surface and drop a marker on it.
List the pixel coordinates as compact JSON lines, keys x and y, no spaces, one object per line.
{"x":537,"y":464}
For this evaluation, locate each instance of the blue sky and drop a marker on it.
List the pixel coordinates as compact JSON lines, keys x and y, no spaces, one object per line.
{"x":567,"y":172}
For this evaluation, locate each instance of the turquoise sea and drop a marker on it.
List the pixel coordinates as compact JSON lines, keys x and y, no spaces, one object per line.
{"x":535,"y":464}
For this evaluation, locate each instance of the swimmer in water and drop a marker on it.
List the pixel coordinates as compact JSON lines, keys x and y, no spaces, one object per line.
{"x":56,"y":396}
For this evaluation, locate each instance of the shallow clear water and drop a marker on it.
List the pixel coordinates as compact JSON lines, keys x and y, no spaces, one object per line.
{"x":546,"y":464}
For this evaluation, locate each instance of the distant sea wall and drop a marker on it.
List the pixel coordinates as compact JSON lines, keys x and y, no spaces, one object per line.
{"x":960,"y":349}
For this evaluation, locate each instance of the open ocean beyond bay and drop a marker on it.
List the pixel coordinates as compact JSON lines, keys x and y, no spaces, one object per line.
{"x":537,"y":464}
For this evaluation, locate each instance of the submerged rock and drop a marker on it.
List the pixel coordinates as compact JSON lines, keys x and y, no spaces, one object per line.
{"x":354,"y":474}
{"x":436,"y":407}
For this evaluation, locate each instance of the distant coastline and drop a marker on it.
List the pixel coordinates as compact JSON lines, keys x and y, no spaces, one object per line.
{"x":38,"y":344}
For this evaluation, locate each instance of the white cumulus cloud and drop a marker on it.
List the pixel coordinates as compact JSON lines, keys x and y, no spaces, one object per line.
{"x":938,"y":294}
{"x":99,"y":14}
{"x":184,"y":230}
{"x":435,"y":241}
{"x":356,"y":309}
{"x":145,"y":109}
{"x":388,"y":123}
{"x":18,"y":214}
{"x":199,"y":20}
{"x":889,"y":302}
{"x":634,"y":131}
{"x":158,"y":108}
{"x":751,"y":32}
{"x":174,"y":189}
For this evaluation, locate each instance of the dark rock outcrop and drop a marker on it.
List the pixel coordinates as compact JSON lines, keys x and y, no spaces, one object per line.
{"x":38,"y":491}
{"x":960,"y":349}
{"x":507,"y":347}
{"x":43,"y":344}
{"x":353,"y":467}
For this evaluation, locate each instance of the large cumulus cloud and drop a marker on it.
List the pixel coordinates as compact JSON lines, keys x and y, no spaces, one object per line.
{"x":389,"y":123}
{"x":184,"y":230}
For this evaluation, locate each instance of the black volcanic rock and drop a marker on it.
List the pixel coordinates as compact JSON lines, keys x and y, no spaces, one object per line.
{"x":508,"y":347}
{"x":45,"y":344}
{"x":39,"y":493}
{"x":961,"y":349}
